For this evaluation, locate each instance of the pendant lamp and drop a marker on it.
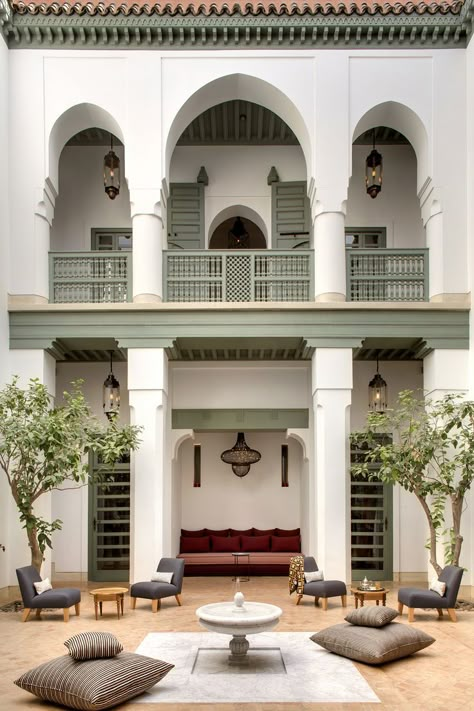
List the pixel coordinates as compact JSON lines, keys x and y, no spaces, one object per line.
{"x":373,"y":172}
{"x":378,"y":392}
{"x":111,"y":394}
{"x":240,"y":456}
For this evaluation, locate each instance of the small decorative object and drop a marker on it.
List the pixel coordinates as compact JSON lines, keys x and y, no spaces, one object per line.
{"x":111,"y":172}
{"x":111,"y":394}
{"x":241,"y":456}
{"x":373,"y":172}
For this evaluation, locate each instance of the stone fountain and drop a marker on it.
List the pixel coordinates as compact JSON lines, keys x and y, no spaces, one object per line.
{"x":239,"y":618}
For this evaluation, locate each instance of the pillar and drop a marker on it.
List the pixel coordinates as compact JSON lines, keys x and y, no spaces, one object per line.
{"x":330,"y":499}
{"x":330,"y":257}
{"x":434,"y":242}
{"x":147,"y":247}
{"x":150,"y":465}
{"x":447,"y":371}
{"x":28,"y":364}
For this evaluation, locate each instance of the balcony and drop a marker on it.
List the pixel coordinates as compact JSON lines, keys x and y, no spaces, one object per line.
{"x":235,"y":276}
{"x":90,"y":277}
{"x":394,"y":275}
{"x":387,"y":275}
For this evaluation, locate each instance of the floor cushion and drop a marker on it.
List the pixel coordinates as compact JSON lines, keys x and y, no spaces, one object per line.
{"x":372,"y":645}
{"x":93,"y":645}
{"x":371,"y":616}
{"x":95,"y":683}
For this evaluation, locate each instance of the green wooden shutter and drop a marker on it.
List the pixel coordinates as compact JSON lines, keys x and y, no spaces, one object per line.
{"x":290,"y":215}
{"x":186,"y":216}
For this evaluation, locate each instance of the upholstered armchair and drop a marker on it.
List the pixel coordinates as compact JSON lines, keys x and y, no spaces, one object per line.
{"x":323,"y":589}
{"x":56,"y":598}
{"x":156,"y":590}
{"x":417,"y":597}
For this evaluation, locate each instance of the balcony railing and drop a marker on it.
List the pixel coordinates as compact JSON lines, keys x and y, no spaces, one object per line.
{"x":237,"y":276}
{"x":387,"y":274}
{"x":261,"y":275}
{"x":90,"y":277}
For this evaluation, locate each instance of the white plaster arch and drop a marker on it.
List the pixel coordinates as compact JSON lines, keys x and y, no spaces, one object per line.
{"x":177,"y":439}
{"x":238,"y":86}
{"x":232,"y":211}
{"x":402,"y":118}
{"x":76,"y":118}
{"x":300,"y":436}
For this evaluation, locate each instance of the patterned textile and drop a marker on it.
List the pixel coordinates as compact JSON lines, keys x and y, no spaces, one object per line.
{"x":94,"y":684}
{"x":93,"y":645}
{"x":373,"y":616}
{"x":296,"y":575}
{"x":372,"y":645}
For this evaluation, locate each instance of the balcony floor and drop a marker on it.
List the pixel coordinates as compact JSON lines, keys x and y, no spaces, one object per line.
{"x":439,"y":678}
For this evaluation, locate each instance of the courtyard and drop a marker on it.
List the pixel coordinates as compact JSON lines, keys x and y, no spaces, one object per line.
{"x":439,"y":677}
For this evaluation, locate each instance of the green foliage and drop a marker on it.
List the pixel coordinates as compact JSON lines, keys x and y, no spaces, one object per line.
{"x":43,"y":448}
{"x":431,"y":455}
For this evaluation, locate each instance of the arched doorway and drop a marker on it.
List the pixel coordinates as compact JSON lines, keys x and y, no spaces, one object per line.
{"x":237,"y":233}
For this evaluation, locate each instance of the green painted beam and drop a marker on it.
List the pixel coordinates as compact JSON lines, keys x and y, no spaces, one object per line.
{"x":236,"y":31}
{"x":240,"y":420}
{"x":321,"y":326}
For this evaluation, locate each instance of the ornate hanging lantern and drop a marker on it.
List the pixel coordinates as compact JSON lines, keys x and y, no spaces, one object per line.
{"x":111,"y":173}
{"x":240,"y":456}
{"x":378,"y":392}
{"x":238,"y":236}
{"x":373,"y":172}
{"x":111,"y":394}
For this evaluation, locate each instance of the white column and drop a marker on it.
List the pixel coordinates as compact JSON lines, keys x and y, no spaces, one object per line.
{"x":447,"y":371}
{"x":40,"y":255}
{"x":29,"y":364}
{"x":150,"y":466}
{"x":434,"y":242}
{"x":330,"y":257}
{"x":331,"y":391}
{"x":147,"y":245}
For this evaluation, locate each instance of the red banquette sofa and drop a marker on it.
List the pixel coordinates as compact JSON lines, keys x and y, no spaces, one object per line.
{"x":209,"y":552}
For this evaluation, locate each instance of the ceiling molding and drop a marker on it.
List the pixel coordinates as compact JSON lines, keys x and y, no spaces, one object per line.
{"x":237,"y":31}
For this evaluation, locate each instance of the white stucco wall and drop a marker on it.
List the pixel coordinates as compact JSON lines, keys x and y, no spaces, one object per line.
{"x":225,"y":500}
{"x":82,"y":203}
{"x":4,"y":250}
{"x":397,"y":207}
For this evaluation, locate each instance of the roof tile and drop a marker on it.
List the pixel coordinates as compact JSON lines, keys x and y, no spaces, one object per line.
{"x":230,"y":7}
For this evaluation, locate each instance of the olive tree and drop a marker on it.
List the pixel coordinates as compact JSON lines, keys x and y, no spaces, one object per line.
{"x":431,"y":455}
{"x":43,"y":448}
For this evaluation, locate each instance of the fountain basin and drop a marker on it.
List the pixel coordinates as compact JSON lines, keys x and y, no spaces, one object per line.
{"x":256,"y":617}
{"x":239,"y":619}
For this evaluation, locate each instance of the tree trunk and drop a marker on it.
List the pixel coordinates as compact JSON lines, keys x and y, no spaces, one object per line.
{"x":433,"y":536}
{"x":36,"y":554}
{"x":456,"y":508}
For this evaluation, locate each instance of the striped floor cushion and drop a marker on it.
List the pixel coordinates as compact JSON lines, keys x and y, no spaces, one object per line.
{"x":94,"y":683}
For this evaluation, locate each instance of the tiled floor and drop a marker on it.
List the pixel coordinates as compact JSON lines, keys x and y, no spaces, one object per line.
{"x":441,"y":678}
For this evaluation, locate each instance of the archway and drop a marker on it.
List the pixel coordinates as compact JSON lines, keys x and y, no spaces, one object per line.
{"x":224,"y":222}
{"x":238,"y":86}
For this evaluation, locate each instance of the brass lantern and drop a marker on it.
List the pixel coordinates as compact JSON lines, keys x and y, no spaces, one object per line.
{"x":111,"y":394}
{"x":378,"y":392}
{"x":111,"y":172}
{"x":373,"y":172}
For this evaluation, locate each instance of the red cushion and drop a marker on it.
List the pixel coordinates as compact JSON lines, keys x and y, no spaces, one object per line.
{"x":253,"y":544}
{"x":258,"y":532}
{"x":284,"y":532}
{"x":235,"y":532}
{"x":194,"y":545}
{"x":193,"y":534}
{"x":225,"y":544}
{"x":286,"y":543}
{"x":210,"y":532}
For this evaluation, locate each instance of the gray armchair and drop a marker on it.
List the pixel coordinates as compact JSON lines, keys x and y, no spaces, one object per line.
{"x":417,"y":597}
{"x":323,"y":589}
{"x":57,"y":598}
{"x":155,"y":591}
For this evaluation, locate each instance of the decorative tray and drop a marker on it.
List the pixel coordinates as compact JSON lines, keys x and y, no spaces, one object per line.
{"x":371,"y":589}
